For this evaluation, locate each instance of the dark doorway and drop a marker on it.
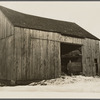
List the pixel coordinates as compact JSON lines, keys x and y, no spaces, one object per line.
{"x":96,"y":65}
{"x":71,"y":53}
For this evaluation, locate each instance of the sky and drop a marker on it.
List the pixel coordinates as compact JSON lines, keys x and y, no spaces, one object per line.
{"x":84,"y":13}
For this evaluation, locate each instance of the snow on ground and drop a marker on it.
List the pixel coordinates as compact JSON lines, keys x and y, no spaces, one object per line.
{"x":64,"y":84}
{"x":65,"y":80}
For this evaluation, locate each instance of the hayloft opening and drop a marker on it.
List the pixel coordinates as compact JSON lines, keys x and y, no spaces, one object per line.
{"x":71,"y":59}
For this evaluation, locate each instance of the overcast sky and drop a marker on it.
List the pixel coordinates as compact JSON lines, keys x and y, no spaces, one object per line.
{"x":85,"y":14}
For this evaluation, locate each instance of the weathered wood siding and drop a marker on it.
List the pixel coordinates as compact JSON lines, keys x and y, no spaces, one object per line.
{"x":6,"y":48}
{"x":56,"y":37}
{"x":37,"y":53}
{"x":36,"y":58}
{"x":90,"y":51}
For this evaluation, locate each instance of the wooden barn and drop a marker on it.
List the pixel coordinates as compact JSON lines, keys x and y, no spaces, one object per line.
{"x":34,"y":48}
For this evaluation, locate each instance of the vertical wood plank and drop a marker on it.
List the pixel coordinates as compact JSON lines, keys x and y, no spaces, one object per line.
{"x":4,"y":59}
{"x":23,"y":54}
{"x":28,"y":53}
{"x":48,"y":68}
{"x":1,"y":60}
{"x":52,"y":59}
{"x":42,"y":60}
{"x":45,"y":59}
{"x":18,"y":53}
{"x":84,"y":57}
{"x":35,"y":58}
{"x":31,"y":71}
{"x":57,"y":60}
{"x":8,"y":58}
{"x":15,"y":64}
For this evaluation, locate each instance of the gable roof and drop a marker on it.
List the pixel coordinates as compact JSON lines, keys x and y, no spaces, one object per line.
{"x":34,"y":22}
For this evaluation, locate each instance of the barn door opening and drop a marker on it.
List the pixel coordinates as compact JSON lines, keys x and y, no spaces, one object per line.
{"x":71,"y":59}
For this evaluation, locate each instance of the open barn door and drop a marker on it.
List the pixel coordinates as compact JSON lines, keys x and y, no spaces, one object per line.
{"x":71,"y":59}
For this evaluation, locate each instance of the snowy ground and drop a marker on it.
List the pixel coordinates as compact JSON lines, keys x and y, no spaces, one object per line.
{"x":62,"y":85}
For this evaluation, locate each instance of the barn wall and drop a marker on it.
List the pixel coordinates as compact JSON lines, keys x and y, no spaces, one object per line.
{"x":47,"y":53}
{"x":36,"y":59}
{"x":37,"y":53}
{"x":56,"y":37}
{"x":6,"y":48}
{"x":90,"y":51}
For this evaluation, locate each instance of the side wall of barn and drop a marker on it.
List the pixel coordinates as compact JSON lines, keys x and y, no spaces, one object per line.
{"x":6,"y":48}
{"x":90,"y":57}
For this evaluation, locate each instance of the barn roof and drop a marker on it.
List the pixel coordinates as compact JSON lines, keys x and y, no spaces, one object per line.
{"x":34,"y":22}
